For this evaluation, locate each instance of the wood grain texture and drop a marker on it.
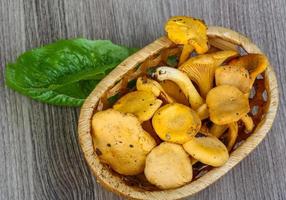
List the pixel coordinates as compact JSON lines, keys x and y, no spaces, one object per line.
{"x":40,"y":157}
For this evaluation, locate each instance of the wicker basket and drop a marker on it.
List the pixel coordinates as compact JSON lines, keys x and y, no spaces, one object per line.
{"x":131,"y":68}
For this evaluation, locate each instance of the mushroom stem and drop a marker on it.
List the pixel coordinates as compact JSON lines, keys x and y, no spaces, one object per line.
{"x":204,"y":129}
{"x":232,"y":135}
{"x":183,"y":81}
{"x":248,"y":123}
{"x":203,"y":112}
{"x":187,"y":49}
{"x":190,"y":32}
{"x":218,"y":130}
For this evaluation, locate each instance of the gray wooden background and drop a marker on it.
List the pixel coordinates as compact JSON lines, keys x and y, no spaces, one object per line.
{"x":39,"y":154}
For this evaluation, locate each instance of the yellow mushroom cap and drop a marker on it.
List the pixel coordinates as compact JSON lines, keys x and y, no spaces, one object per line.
{"x":142,"y":104}
{"x":226,"y":104}
{"x":120,"y":141}
{"x":168,"y":166}
{"x":207,"y":149}
{"x":233,"y":75}
{"x":254,"y":63}
{"x":189,"y":31}
{"x":176,"y":123}
{"x":201,"y":68}
{"x":146,"y":84}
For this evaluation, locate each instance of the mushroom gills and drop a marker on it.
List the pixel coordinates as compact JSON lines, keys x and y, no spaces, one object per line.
{"x":173,"y":90}
{"x":201,"y":68}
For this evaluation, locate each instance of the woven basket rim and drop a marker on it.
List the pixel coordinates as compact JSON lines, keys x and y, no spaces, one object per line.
{"x":114,"y":183}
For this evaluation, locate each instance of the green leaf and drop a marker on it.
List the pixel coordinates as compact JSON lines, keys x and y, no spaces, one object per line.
{"x":151,"y":71}
{"x":172,"y":61}
{"x":64,"y":72}
{"x":111,"y":100}
{"x":131,"y":84}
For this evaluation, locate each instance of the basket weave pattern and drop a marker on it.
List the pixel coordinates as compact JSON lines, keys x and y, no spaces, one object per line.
{"x":264,"y":103}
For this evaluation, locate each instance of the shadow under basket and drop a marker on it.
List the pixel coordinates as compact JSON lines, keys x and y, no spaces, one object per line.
{"x":263,"y":103}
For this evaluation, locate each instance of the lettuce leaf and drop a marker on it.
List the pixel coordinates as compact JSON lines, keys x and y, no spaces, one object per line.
{"x":65,"y":72}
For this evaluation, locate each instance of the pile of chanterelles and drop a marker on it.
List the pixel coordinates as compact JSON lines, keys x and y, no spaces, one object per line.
{"x":223,"y":81}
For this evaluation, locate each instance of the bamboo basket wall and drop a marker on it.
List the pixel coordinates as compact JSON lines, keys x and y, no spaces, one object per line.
{"x":219,"y":38}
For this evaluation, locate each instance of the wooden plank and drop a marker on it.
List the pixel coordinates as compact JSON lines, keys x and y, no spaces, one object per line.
{"x":40,"y":157}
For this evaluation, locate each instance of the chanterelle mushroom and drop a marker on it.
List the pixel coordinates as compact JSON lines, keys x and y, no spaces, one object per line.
{"x":173,"y":90}
{"x":190,"y":32}
{"x":120,"y":141}
{"x":237,"y":76}
{"x":218,"y":130}
{"x":176,"y":123}
{"x":201,"y":68}
{"x":168,"y":166}
{"x":207,"y":149}
{"x":232,"y":135}
{"x":254,"y":63}
{"x":248,"y":123}
{"x":203,"y":112}
{"x":143,"y":104}
{"x":226,"y":104}
{"x":233,"y":75}
{"x":146,"y":84}
{"x":183,"y":81}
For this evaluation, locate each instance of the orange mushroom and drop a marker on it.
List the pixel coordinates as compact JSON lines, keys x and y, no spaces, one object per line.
{"x":183,"y":81}
{"x":146,"y":84}
{"x":201,"y":68}
{"x":226,"y":104}
{"x":142,"y":104}
{"x":176,"y":123}
{"x":190,"y":32}
{"x":233,"y":75}
{"x":207,"y":149}
{"x":254,"y":63}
